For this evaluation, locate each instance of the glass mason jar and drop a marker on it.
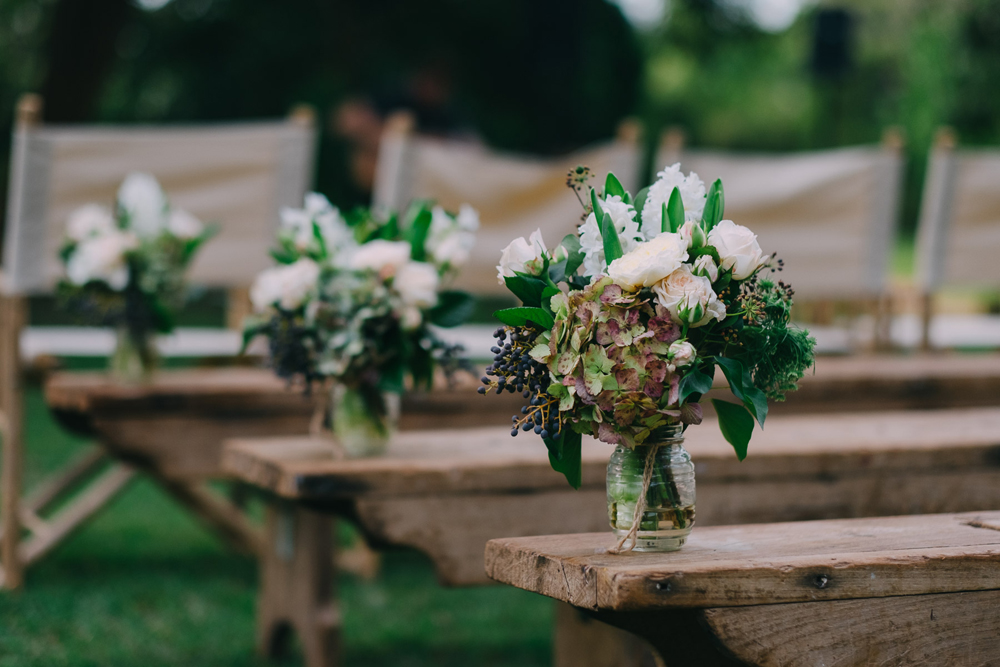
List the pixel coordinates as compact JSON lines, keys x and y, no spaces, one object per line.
{"x":363,"y":418}
{"x":669,"y":512}
{"x":135,"y":356}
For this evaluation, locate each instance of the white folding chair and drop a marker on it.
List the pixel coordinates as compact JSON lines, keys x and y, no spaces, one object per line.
{"x":958,"y":238}
{"x":830,"y":215}
{"x":514,"y":194}
{"x":236,"y":176}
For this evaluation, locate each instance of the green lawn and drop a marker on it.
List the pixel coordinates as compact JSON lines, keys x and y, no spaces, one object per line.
{"x":144,"y":585}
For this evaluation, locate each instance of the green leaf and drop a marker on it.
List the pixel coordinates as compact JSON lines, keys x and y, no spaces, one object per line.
{"x":736,"y":425}
{"x":714,"y":206}
{"x":613,"y":187}
{"x":640,"y":202}
{"x":612,"y":244}
{"x":595,"y":202}
{"x":694,"y":382}
{"x":675,"y":211}
{"x":518,"y":317}
{"x":250,"y":332}
{"x":574,"y":258}
{"x":742,"y":387}
{"x":527,"y":288}
{"x":565,"y":456}
{"x":694,"y":253}
{"x":417,"y":234}
{"x":453,"y":308}
{"x":547,"y":295}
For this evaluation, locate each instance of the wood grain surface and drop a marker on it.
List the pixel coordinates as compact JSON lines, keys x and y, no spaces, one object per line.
{"x":761,"y":564}
{"x":800,"y":448}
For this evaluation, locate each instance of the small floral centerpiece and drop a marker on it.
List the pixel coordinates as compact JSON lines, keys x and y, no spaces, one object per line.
{"x":125,"y":268}
{"x":353,"y":300}
{"x":619,"y":334}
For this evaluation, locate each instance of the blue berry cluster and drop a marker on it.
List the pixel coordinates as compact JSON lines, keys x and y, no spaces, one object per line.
{"x":513,"y":370}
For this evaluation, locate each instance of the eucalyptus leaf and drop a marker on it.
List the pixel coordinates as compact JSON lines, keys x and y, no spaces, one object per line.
{"x":565,"y":456}
{"x":736,"y":425}
{"x":518,"y":317}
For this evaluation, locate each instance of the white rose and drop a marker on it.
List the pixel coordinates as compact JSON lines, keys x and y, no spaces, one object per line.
{"x":522,"y":257}
{"x":183,"y":225}
{"x":142,"y":198}
{"x":592,"y":243}
{"x":453,"y":251}
{"x":450,"y":240}
{"x":102,"y":258}
{"x":693,"y":234}
{"x":285,"y":286}
{"x":332,"y":227}
{"x":649,"y":262}
{"x":381,"y":256}
{"x":738,"y":249}
{"x":705,"y":266}
{"x":417,"y":284}
{"x":692,"y":196}
{"x":316,"y":203}
{"x":689,"y":298}
{"x":410,"y":318}
{"x":682,"y":353}
{"x":467,"y":218}
{"x":89,"y":220}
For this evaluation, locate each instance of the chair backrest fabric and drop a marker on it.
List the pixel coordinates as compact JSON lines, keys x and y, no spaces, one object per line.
{"x":958,"y":236}
{"x":830,"y":215}
{"x":514,"y":194}
{"x":235,"y":176}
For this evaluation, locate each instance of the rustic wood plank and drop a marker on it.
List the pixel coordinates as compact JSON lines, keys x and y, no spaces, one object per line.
{"x":823,"y":447}
{"x":296,"y":590}
{"x":453,"y":530}
{"x":578,"y":639}
{"x":13,"y":314}
{"x":926,"y":630}
{"x":761,"y":564}
{"x":72,"y":517}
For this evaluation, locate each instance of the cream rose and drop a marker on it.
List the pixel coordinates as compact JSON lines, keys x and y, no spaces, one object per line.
{"x":682,"y":353}
{"x":102,"y":258}
{"x":381,"y":256}
{"x":693,"y":234}
{"x":705,"y":266}
{"x":738,"y":249}
{"x":89,"y":220}
{"x":285,"y":286}
{"x":183,"y":225}
{"x":417,"y":284}
{"x":142,"y":198}
{"x":649,"y":262}
{"x":689,"y":298}
{"x":522,"y":257}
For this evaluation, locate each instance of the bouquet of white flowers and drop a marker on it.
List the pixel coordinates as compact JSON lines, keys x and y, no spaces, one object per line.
{"x":620,"y":332}
{"x":352,"y":300}
{"x":125,"y":268}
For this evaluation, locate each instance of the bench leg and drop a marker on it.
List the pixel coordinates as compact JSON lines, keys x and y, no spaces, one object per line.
{"x":296,"y":592}
{"x":581,"y":641}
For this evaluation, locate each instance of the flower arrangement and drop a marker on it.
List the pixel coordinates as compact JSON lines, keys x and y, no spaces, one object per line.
{"x":622,"y":325}
{"x":125,"y":268}
{"x":353,"y":299}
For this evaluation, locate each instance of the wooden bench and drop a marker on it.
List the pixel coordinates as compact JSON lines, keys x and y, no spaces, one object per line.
{"x":914,"y":590}
{"x":447,"y":493}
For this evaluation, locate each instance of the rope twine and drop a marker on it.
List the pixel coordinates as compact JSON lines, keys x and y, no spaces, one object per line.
{"x":640,"y":507}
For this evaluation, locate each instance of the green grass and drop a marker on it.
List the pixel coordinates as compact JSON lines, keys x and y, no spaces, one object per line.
{"x":143,"y":584}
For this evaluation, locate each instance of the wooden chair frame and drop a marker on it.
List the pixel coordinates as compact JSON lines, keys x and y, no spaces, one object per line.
{"x":821,"y":311}
{"x":91,"y":480}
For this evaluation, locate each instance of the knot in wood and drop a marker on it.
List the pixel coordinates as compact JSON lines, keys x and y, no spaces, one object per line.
{"x":821,"y":580}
